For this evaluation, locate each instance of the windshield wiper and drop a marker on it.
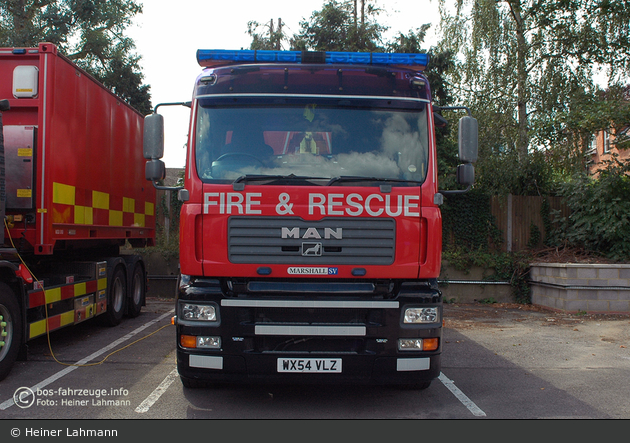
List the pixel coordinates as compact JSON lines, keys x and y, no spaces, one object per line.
{"x":273,"y":178}
{"x":351,"y":178}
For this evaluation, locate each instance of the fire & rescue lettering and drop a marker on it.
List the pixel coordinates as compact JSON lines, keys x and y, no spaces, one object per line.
{"x":355,"y":205}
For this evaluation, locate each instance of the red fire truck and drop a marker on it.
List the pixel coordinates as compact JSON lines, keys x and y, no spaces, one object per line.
{"x":73,"y":192}
{"x":310,"y":240}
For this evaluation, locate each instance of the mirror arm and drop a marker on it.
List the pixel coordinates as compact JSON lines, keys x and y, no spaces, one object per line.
{"x":453,"y":108}
{"x":455,"y":191}
{"x":187,"y":104}
{"x":166,"y":188}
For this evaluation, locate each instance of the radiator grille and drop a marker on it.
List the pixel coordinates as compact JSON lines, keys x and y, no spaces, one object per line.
{"x":330,"y":241}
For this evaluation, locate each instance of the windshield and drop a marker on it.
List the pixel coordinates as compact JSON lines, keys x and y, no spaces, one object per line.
{"x":313,"y":142}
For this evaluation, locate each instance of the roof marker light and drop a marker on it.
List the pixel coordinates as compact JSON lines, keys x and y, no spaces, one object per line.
{"x":217,"y":57}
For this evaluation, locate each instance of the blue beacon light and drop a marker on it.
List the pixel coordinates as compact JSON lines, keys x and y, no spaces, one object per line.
{"x":210,"y":57}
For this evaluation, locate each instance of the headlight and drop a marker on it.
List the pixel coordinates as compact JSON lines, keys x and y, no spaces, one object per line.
{"x":209,"y":342}
{"x":418,"y":344}
{"x":199,"y":312}
{"x":193,"y":341}
{"x":421,"y":315}
{"x":410,"y":344}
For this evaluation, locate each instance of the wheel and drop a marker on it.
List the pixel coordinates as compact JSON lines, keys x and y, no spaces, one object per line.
{"x":116,"y":297}
{"x":138,"y":291}
{"x":10,"y":330}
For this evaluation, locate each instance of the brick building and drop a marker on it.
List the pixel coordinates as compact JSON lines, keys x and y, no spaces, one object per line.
{"x":604,"y":145}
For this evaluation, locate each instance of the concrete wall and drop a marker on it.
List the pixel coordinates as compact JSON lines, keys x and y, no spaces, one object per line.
{"x":592,"y":288}
{"x":472,"y":286}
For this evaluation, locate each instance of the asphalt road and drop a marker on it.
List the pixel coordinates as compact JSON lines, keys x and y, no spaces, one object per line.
{"x":499,"y":362}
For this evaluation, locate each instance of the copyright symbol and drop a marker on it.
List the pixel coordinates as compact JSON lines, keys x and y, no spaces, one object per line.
{"x":24,"y":397}
{"x":15,"y":432}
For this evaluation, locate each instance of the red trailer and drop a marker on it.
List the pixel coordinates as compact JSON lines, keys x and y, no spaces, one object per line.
{"x":73,"y":191}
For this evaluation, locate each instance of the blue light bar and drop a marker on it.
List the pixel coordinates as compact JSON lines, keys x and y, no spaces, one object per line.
{"x":216,"y":57}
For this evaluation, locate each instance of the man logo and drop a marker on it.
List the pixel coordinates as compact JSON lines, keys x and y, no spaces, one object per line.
{"x":312,"y":233}
{"x":311,"y":249}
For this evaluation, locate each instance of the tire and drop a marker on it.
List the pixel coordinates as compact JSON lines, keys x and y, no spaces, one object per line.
{"x":116,"y":297}
{"x":138,"y":291}
{"x":10,"y":330}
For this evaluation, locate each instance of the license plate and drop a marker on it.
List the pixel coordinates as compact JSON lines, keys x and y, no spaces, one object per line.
{"x":327,"y":365}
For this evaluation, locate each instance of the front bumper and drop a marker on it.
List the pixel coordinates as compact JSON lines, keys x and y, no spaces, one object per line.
{"x":258,"y":333}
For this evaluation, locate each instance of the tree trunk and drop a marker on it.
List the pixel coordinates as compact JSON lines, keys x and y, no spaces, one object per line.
{"x":521,"y":80}
{"x":17,"y":8}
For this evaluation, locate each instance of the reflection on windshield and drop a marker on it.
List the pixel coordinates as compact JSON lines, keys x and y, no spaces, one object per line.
{"x":310,"y":140}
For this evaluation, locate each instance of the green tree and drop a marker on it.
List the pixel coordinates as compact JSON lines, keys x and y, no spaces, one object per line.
{"x":342,"y":26}
{"x":521,"y":63}
{"x":91,"y":33}
{"x":270,"y":38}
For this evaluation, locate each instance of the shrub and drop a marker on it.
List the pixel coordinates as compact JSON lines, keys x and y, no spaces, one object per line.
{"x":600,"y":212}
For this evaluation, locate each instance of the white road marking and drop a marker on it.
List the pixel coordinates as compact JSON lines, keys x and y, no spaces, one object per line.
{"x":472,"y":407}
{"x":157,"y":392}
{"x":8,"y":403}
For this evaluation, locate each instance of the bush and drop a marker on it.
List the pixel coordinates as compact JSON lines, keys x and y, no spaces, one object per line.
{"x":600,"y":212}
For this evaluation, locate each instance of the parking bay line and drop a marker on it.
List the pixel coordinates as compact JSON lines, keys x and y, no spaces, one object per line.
{"x":157,"y":392}
{"x":168,"y":380}
{"x":8,"y":403}
{"x":450,"y":385}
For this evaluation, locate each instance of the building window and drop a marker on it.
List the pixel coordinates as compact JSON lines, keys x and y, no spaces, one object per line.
{"x":606,"y":141}
{"x":592,"y":147}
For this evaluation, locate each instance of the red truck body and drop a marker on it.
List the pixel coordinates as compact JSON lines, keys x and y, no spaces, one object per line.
{"x":74,"y":192}
{"x":76,"y":140}
{"x":310,"y":231}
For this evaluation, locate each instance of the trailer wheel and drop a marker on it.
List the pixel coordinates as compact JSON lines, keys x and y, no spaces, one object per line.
{"x":116,"y":298}
{"x":138,"y":291}
{"x":10,"y":330}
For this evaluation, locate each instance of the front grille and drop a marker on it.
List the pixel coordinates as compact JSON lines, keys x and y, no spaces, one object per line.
{"x":309,"y":345}
{"x":367,"y":317}
{"x":330,"y":241}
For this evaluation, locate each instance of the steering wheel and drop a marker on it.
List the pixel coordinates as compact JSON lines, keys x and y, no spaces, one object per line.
{"x":239,"y":154}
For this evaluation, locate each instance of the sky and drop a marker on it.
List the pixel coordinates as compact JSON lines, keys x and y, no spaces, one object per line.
{"x":168,"y":33}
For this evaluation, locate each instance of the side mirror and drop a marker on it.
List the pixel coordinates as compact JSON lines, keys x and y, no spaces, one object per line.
{"x":466,"y":174}
{"x":155,"y":170}
{"x":467,"y":142}
{"x":153,"y":138}
{"x":467,"y":139}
